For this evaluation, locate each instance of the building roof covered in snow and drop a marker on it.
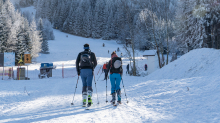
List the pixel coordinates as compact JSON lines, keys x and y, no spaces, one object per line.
{"x":149,"y":53}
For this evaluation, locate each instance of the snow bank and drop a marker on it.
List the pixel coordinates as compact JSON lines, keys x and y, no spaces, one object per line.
{"x":185,"y":91}
{"x":196,"y":63}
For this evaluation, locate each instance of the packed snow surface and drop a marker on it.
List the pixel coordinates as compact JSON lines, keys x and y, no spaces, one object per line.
{"x":185,"y":91}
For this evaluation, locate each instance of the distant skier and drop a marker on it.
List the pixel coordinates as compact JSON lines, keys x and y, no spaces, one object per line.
{"x":116,"y":71}
{"x":127,"y":69}
{"x":103,"y":44}
{"x":121,"y":55}
{"x":104,"y":69}
{"x":118,"y":49}
{"x":85,"y":65}
{"x":145,"y":66}
{"x":108,"y":51}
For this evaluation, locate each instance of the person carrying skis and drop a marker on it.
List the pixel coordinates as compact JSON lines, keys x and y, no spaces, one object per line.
{"x":104,"y":69}
{"x":127,"y":69}
{"x":85,"y":65}
{"x":116,"y":71}
{"x":145,"y":66}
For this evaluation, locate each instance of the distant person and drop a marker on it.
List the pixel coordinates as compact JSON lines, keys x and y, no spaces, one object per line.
{"x":121,"y":55}
{"x":108,"y":51}
{"x":145,"y":66}
{"x":118,"y":49}
{"x":116,"y":71}
{"x":104,"y":69}
{"x":103,"y":44}
{"x":85,"y":65}
{"x":127,"y":69}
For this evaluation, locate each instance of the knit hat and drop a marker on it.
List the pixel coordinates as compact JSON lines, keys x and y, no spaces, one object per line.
{"x":86,"y":46}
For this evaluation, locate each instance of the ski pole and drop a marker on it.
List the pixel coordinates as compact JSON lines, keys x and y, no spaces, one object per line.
{"x":124,"y":90}
{"x":106,"y":91}
{"x":99,"y":70}
{"x":99,"y":76}
{"x":75,"y":91}
{"x":96,"y":88}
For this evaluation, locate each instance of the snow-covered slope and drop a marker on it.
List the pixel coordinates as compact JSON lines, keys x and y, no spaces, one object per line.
{"x":196,"y":63}
{"x":187,"y":90}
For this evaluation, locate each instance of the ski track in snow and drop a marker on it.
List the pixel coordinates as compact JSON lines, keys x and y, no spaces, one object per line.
{"x":185,"y":91}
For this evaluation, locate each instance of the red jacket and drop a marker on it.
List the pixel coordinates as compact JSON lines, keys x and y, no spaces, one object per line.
{"x":104,"y":66}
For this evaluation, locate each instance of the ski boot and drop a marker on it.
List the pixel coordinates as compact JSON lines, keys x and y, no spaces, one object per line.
{"x":89,"y":98}
{"x":113,"y":98}
{"x":119,"y":96}
{"x":84,"y":95}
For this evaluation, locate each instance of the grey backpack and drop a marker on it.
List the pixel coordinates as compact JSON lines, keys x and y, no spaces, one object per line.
{"x":85,"y":59}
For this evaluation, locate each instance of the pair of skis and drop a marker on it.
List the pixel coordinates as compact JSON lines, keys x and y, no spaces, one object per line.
{"x":116,"y":104}
{"x":87,"y":107}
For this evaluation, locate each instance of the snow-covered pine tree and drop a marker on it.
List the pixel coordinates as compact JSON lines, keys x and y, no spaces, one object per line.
{"x":87,"y":19}
{"x":108,"y":28}
{"x":16,"y":34}
{"x":212,"y":23}
{"x":87,"y":26}
{"x":190,"y":31}
{"x":40,"y":27}
{"x":95,"y":18}
{"x":51,"y":9}
{"x":48,"y":30}
{"x":78,"y":23}
{"x":39,"y":8}
{"x":64,"y":12}
{"x":69,"y":23}
{"x":4,"y":28}
{"x":22,"y":42}
{"x":20,"y":45}
{"x":28,"y":15}
{"x":26,"y":29}
{"x":98,"y":21}
{"x":35,"y":40}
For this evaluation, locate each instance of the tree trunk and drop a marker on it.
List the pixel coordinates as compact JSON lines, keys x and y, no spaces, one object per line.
{"x":134,"y":63}
{"x":167,"y":32}
{"x":157,"y":47}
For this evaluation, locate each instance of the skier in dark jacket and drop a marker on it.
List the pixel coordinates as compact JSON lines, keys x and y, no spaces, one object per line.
{"x":85,"y":65}
{"x":127,"y":69}
{"x":145,"y":66}
{"x":116,"y":71}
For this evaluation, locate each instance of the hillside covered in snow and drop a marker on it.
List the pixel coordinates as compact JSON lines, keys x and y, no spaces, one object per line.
{"x":186,"y":90}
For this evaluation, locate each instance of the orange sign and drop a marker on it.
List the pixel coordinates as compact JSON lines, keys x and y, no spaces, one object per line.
{"x":27,"y":58}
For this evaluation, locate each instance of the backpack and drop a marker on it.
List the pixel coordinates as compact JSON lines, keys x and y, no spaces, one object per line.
{"x":116,"y":65}
{"x":85,"y":59}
